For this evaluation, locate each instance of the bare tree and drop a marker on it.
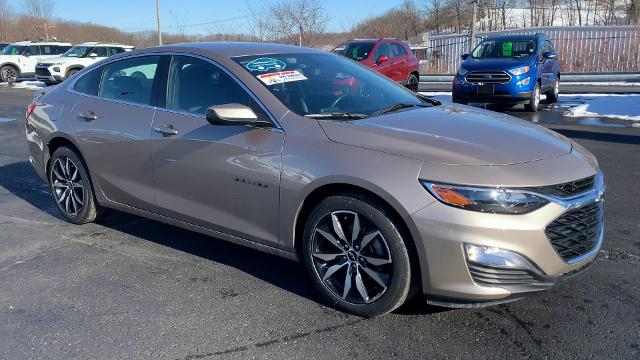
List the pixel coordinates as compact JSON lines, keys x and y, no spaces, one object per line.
{"x":5,"y":17}
{"x":258,"y":15}
{"x":433,"y":14}
{"x":40,"y":12}
{"x":180,"y":24}
{"x":297,"y":20}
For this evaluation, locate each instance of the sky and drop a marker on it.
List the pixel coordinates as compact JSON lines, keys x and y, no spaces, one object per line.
{"x":137,"y":15}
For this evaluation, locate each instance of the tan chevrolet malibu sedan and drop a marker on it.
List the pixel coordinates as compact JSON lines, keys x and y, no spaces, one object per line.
{"x":381,"y":193}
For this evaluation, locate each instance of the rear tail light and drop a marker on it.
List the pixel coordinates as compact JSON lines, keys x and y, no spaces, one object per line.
{"x":30,"y":109}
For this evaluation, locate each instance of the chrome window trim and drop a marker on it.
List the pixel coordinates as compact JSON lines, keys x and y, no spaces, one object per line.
{"x":164,"y":109}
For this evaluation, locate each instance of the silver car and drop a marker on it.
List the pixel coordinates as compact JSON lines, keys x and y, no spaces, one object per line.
{"x":381,"y":193}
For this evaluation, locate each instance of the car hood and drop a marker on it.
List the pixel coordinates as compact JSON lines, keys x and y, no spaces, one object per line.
{"x":57,"y":60}
{"x":451,"y":134}
{"x":495,"y":64}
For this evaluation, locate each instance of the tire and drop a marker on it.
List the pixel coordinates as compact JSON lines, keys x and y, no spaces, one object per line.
{"x":71,"y":72}
{"x":377,"y":261}
{"x":552,"y":95}
{"x":9,"y":74}
{"x":79,"y":205}
{"x":412,"y":82}
{"x":534,"y":101}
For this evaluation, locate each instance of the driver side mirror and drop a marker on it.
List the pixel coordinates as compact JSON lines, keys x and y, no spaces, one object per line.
{"x":464,"y":56}
{"x":381,"y":59}
{"x":93,"y":55}
{"x":231,"y":114}
{"x":550,"y":55}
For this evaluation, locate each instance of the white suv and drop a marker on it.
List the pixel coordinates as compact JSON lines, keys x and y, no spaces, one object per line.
{"x":19,"y":59}
{"x":56,"y":70}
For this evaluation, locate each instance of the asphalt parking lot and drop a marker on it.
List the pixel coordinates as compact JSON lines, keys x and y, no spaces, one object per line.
{"x":128,"y":287}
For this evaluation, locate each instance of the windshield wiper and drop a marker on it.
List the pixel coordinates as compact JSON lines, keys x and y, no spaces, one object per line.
{"x":396,"y":107}
{"x":337,"y":115}
{"x":428,"y":100}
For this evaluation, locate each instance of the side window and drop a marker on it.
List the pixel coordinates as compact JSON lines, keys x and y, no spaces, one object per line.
{"x":548,"y":46}
{"x":32,"y":50}
{"x":382,"y":50}
{"x":61,"y":49}
{"x":99,"y":52}
{"x":89,"y":82}
{"x":115,"y":50}
{"x":130,"y":79}
{"x":195,"y":84}
{"x":398,"y":50}
{"x":47,"y":50}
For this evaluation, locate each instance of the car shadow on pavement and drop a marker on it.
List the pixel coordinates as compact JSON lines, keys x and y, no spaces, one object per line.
{"x":20,"y":180}
{"x":598,"y":136}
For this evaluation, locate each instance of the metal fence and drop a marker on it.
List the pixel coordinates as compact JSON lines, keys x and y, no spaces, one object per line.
{"x":580,"y":48}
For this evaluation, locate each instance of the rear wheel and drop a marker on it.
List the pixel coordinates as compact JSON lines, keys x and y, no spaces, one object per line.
{"x":9,"y":74}
{"x":412,"y":82}
{"x":356,"y":255}
{"x":534,"y":101}
{"x":71,"y":187}
{"x":552,"y":95}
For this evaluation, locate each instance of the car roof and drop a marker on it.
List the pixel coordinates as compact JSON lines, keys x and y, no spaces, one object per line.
{"x":229,"y":49}
{"x":24,"y":43}
{"x":95,"y":43}
{"x":393,"y":40}
{"x":514,"y":37}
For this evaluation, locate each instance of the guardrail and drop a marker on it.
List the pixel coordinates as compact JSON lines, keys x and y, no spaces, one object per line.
{"x":580,"y":48}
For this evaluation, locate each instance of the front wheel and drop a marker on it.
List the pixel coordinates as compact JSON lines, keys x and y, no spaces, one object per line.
{"x":534,"y":101}
{"x":552,"y":95}
{"x":356,"y":255}
{"x":71,"y":72}
{"x":71,"y":187}
{"x":9,"y":74}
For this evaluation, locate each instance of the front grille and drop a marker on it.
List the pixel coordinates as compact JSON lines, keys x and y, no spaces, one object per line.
{"x":486,"y":275}
{"x":488,"y":77}
{"x":568,"y":189}
{"x":576,"y":232}
{"x":42,"y":71}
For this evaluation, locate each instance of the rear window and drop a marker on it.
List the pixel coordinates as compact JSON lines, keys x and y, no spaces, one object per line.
{"x":89,"y":82}
{"x":354,"y":51}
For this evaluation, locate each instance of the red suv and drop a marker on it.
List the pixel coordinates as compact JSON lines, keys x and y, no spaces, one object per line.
{"x":390,"y":57}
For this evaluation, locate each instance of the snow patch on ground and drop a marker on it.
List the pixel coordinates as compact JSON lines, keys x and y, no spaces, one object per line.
{"x":27,"y":85}
{"x":612,"y":106}
{"x":624,"y":107}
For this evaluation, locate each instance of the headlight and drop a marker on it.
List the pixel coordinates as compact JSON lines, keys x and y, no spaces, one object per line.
{"x":491,"y":200}
{"x":520,"y":70}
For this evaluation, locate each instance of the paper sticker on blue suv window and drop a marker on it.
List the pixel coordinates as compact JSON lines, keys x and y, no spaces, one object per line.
{"x":266,"y":64}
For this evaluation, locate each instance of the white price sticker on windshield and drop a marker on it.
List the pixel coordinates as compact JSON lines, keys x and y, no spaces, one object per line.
{"x":281,"y":77}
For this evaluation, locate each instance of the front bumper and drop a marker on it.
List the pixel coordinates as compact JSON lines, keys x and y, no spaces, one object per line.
{"x":49,"y":73}
{"x":507,"y":93}
{"x":453,"y":280}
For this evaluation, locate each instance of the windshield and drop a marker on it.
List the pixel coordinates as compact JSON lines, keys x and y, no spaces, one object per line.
{"x":354,"y":51}
{"x":13,"y":50}
{"x":317,"y":84}
{"x":504,"y":49}
{"x":77,"y":51}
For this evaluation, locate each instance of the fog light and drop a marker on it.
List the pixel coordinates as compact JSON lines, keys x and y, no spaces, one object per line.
{"x":496,"y":257}
{"x":524,"y":81}
{"x":56,"y":69}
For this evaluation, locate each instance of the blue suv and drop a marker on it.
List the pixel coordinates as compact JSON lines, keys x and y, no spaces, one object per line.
{"x":509,"y":70}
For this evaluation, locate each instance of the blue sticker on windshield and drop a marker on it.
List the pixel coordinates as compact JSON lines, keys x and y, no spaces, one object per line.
{"x":266,"y":64}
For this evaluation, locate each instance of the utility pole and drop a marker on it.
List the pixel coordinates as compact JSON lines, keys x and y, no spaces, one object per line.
{"x":46,"y":26}
{"x":473,"y":26}
{"x":158,"y":22}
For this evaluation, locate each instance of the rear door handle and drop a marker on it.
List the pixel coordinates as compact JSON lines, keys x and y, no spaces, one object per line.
{"x":166,"y":130}
{"x":89,"y":116}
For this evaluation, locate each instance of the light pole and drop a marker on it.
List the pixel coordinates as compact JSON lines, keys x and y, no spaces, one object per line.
{"x":473,"y":26}
{"x":158,"y":22}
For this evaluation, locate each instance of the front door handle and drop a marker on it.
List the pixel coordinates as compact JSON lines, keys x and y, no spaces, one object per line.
{"x":89,"y":116}
{"x":167,"y":130}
